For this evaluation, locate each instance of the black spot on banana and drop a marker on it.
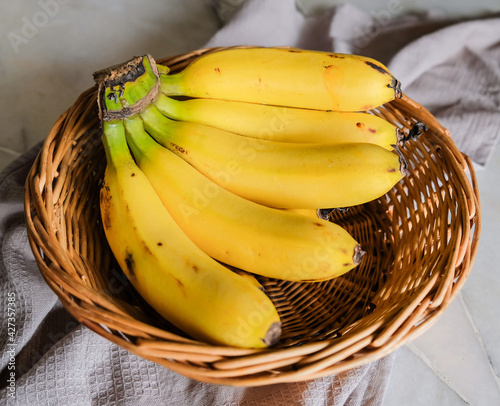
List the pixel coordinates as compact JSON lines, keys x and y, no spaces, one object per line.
{"x":130,"y":264}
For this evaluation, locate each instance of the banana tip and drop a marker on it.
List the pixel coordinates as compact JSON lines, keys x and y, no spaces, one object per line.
{"x":403,"y":164}
{"x":358,"y":254}
{"x":273,"y":334}
{"x":413,"y":135}
{"x":396,"y":85}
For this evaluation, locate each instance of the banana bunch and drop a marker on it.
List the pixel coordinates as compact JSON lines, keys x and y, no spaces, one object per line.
{"x":221,"y":168}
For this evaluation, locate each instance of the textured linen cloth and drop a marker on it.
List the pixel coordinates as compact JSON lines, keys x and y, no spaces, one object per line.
{"x":451,"y":67}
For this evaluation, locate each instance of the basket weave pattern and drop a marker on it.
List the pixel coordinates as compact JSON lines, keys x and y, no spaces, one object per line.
{"x":421,"y":239}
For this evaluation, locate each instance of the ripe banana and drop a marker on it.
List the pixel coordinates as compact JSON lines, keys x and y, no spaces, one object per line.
{"x":236,"y":231}
{"x":286,"y":77}
{"x":278,"y":123}
{"x":186,"y":286}
{"x":305,"y":212}
{"x":156,"y":211}
{"x":279,"y":174}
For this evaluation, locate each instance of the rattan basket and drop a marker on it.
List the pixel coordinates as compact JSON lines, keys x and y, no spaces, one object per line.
{"x":421,"y":240}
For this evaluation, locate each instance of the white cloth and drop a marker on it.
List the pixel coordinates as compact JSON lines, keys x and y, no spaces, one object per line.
{"x":450,"y":67}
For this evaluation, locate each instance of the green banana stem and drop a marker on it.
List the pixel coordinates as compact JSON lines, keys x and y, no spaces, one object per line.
{"x":161,"y":128}
{"x":170,"y":107}
{"x":136,"y":136}
{"x":172,"y":84}
{"x":115,"y":144}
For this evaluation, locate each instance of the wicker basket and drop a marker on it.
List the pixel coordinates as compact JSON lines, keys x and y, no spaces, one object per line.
{"x":421,"y":240}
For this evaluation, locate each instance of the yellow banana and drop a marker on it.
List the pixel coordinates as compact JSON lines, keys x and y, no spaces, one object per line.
{"x":279,"y":174}
{"x":236,"y":231}
{"x":246,"y":275}
{"x":286,"y":77}
{"x":185,"y":285}
{"x":279,"y":123}
{"x":305,"y":212}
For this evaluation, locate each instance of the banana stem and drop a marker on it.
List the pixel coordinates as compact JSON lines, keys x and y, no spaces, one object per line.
{"x":126,"y":89}
{"x":169,"y":107}
{"x":157,"y":125}
{"x":171,"y":84}
{"x":115,"y":144}
{"x":138,"y":139}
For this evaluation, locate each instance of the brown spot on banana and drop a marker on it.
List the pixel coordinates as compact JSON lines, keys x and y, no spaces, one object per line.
{"x":178,"y":148}
{"x":378,"y":68}
{"x":130,"y":265}
{"x":105,"y":204}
